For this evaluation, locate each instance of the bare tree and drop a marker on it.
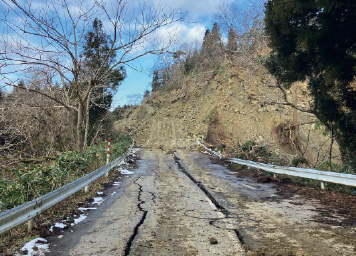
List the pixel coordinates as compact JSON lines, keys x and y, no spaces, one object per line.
{"x":31,"y":126}
{"x":50,"y":34}
{"x":239,"y":17}
{"x":245,"y":25}
{"x":134,"y":99}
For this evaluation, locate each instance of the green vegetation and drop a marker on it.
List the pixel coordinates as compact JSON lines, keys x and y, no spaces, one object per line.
{"x":247,"y":146}
{"x":251,"y":151}
{"x":315,"y":41}
{"x":32,"y":181}
{"x":298,"y":161}
{"x":218,"y":70}
{"x":209,"y":118}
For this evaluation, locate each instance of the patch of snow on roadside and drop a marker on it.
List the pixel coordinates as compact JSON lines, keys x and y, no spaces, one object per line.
{"x":122,"y":163}
{"x":86,"y":209}
{"x":98,"y":200}
{"x":78,"y":220}
{"x":116,"y":183}
{"x":38,"y":244}
{"x":100,"y":193}
{"x":126,"y":172}
{"x":135,"y":150}
{"x":58,"y":225}
{"x":113,"y":193}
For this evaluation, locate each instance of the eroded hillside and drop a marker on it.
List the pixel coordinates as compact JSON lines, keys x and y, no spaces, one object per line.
{"x":226,"y":108}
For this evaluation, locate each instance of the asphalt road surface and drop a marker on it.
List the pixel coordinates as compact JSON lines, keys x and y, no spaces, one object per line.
{"x":159,"y":211}
{"x":182,"y":204}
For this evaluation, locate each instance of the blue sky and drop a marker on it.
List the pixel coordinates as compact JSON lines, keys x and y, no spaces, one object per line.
{"x":202,"y":18}
{"x":137,"y":82}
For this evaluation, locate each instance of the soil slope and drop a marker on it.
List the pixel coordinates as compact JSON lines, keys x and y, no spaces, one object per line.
{"x":226,"y":109}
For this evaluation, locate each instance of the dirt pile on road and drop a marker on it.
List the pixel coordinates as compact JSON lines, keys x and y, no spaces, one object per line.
{"x":226,"y":109}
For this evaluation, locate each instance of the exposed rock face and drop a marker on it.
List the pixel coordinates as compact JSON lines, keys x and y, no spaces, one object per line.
{"x":229,"y":109}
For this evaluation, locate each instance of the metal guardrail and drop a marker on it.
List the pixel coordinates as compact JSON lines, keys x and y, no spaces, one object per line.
{"x":211,"y":151}
{"x":30,"y":210}
{"x":323,"y":176}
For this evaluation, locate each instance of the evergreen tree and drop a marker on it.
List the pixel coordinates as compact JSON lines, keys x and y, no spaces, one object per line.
{"x":216,"y":42}
{"x":205,"y":49}
{"x":231,"y":46}
{"x":146,"y":94}
{"x":94,"y":56}
{"x":20,"y":87}
{"x":156,"y":81}
{"x":315,"y":40}
{"x":96,"y":48}
{"x":213,"y":48}
{"x":212,"y":43}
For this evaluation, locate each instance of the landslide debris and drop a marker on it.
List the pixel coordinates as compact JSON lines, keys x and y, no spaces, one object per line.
{"x":226,"y":110}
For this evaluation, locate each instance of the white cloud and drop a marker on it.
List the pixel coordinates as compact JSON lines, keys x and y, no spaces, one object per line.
{"x":197,"y":8}
{"x":190,"y":34}
{"x":182,"y":32}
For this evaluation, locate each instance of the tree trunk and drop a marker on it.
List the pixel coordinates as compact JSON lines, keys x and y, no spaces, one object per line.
{"x":345,"y":139}
{"x":87,"y":108}
{"x":70,"y":115}
{"x":79,"y":127}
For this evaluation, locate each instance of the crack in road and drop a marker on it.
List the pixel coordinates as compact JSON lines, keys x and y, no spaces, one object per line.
{"x":142,"y":220}
{"x":210,"y":196}
{"x":153,"y":198}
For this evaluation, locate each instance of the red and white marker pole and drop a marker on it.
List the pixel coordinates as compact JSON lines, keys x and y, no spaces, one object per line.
{"x":108,"y":157}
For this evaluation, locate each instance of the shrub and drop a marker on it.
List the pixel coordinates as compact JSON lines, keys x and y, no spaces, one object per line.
{"x":33,"y":181}
{"x":297,"y":161}
{"x":247,"y":146}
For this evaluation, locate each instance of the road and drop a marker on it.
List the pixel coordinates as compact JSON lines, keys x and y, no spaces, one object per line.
{"x":182,"y":204}
{"x":160,"y":212}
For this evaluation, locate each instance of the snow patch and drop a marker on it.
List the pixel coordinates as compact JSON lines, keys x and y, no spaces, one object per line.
{"x":35,"y":247}
{"x":58,"y":225}
{"x":100,"y":193}
{"x":78,"y":220}
{"x":123,"y":163}
{"x":116,"y":183}
{"x":113,"y":193}
{"x":135,"y":150}
{"x":98,"y":200}
{"x":86,"y":209}
{"x":126,"y":172}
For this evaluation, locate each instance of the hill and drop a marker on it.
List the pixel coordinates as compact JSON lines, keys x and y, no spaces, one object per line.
{"x":226,"y":108}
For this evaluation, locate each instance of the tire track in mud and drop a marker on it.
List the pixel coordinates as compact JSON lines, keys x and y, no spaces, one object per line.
{"x":222,"y":209}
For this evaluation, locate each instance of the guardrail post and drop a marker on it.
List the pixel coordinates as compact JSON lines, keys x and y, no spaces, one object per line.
{"x":322,"y":184}
{"x":30,"y":225}
{"x":108,"y":157}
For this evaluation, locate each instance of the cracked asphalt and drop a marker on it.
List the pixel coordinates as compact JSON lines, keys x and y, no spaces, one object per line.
{"x":183,"y":204}
{"x":158,"y":211}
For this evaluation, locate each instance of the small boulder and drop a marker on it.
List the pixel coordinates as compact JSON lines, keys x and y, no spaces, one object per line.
{"x":213,"y":240}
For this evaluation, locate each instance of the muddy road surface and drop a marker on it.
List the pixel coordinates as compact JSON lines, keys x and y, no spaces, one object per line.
{"x":182,"y":204}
